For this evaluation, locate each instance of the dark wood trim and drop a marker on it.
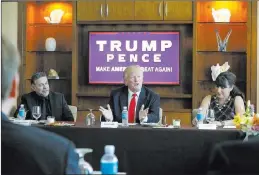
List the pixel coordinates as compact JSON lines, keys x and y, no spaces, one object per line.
{"x":194,"y":67}
{"x":161,"y":96}
{"x":254,"y":55}
{"x":21,"y":37}
{"x":248,"y":61}
{"x":74,"y":81}
{"x":134,"y":22}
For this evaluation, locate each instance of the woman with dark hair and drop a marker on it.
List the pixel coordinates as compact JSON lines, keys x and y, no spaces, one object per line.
{"x":227,"y":101}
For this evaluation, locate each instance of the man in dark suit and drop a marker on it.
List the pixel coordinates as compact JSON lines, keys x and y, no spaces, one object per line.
{"x":142,"y":103}
{"x":235,"y":157}
{"x":51,"y":103}
{"x":25,"y":149}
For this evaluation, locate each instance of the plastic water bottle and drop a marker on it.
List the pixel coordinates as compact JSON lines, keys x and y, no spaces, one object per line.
{"x":124,"y":117}
{"x":200,"y":116}
{"x":109,"y":162}
{"x":21,"y":112}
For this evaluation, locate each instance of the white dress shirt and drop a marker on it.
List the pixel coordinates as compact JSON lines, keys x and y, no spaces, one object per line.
{"x":130,"y":93}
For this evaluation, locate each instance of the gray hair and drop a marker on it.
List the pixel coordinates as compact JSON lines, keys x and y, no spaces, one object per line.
{"x":10,"y":62}
{"x":37,"y":75}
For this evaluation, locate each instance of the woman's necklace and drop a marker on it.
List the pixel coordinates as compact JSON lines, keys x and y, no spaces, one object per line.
{"x":223,"y":105}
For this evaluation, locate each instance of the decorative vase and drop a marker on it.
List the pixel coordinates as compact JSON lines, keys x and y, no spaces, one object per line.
{"x":50,"y":44}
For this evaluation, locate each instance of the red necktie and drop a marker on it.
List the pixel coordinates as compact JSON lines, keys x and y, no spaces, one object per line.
{"x":132,"y":107}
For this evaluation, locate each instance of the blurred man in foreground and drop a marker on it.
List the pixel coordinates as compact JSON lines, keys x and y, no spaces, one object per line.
{"x":29,"y":150}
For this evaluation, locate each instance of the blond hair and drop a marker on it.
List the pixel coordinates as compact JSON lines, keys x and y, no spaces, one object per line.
{"x":129,"y":69}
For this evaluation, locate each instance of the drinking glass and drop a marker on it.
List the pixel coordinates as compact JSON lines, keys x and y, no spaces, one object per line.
{"x":90,"y":118}
{"x":210,"y":117}
{"x":36,"y":112}
{"x":84,"y":166}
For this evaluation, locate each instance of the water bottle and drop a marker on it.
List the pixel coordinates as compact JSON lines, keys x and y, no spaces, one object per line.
{"x":109,"y":162}
{"x":124,"y":116}
{"x":21,"y":112}
{"x":200,"y":116}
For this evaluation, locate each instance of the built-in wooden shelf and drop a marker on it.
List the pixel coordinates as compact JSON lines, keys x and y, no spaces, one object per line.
{"x":49,"y":25}
{"x":60,"y":78}
{"x":50,"y":52}
{"x":226,"y":52}
{"x":161,"y":96}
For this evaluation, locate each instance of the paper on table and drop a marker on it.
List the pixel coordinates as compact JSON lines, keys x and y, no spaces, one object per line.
{"x":109,"y":125}
{"x":207,"y":126}
{"x":229,"y":126}
{"x":130,"y":124}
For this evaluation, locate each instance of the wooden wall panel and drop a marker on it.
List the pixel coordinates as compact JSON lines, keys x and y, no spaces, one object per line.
{"x":206,"y":36}
{"x":236,"y":61}
{"x":238,"y":10}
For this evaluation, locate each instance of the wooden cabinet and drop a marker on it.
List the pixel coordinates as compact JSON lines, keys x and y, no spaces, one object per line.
{"x":112,"y":10}
{"x":90,"y":10}
{"x":178,"y":10}
{"x":149,"y":10}
{"x":139,"y":10}
{"x":119,"y":10}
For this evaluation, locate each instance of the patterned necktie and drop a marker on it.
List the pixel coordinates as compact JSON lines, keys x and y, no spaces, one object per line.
{"x":132,"y":107}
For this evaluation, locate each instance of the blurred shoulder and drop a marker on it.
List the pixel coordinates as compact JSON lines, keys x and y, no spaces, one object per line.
{"x":28,"y":134}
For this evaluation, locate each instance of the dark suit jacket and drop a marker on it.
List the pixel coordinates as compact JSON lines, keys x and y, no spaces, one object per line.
{"x":119,"y":98}
{"x":235,"y":157}
{"x":30,"y":150}
{"x":59,"y":107}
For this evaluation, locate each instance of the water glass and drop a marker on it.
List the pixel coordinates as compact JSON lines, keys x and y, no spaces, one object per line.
{"x":210,"y":117}
{"x":90,"y":118}
{"x":176,"y":123}
{"x":36,"y":112}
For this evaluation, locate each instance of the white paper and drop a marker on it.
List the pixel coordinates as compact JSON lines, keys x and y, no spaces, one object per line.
{"x":229,"y":126}
{"x":109,"y":125}
{"x":207,"y":126}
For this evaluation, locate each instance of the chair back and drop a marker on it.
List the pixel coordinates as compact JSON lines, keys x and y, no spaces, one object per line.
{"x":73,"y":109}
{"x":160,"y":115}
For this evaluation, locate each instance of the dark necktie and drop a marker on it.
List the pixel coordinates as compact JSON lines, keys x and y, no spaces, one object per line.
{"x":44,"y":110}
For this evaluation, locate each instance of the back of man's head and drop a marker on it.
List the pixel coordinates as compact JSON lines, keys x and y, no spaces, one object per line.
{"x":10,"y":62}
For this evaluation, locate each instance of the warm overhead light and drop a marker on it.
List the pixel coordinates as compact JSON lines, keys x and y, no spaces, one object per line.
{"x":221,"y":15}
{"x":55,"y":16}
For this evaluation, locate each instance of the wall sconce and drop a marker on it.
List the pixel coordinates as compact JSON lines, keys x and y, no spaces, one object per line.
{"x":221,"y":15}
{"x":55,"y":16}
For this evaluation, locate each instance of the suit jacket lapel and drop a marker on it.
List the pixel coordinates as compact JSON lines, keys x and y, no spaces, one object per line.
{"x":141,"y":101}
{"x":124,"y":98}
{"x":51,"y":104}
